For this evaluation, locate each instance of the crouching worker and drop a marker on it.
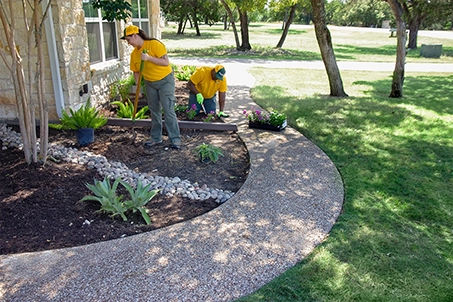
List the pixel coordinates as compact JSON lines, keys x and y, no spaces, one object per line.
{"x":204,"y":84}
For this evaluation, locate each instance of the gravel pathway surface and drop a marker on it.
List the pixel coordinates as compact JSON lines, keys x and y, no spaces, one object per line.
{"x":286,"y":207}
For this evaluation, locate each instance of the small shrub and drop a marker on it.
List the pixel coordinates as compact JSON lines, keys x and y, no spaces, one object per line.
{"x":208,"y":153}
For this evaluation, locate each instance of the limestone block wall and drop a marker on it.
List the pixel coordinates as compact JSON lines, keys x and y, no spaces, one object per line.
{"x":72,"y":56}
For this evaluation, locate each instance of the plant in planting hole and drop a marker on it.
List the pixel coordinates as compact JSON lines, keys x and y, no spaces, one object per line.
{"x":111,"y":203}
{"x":272,"y":118}
{"x":140,"y":196}
{"x":208,"y":153}
{"x":191,"y":112}
{"x":180,"y":108}
{"x":209,"y":117}
{"x":106,"y":195}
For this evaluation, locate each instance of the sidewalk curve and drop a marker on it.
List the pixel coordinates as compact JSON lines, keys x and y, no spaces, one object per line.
{"x":286,"y":207}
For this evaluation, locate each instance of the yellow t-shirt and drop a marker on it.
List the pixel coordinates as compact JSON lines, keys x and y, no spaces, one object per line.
{"x":205,"y":84}
{"x":151,"y":72}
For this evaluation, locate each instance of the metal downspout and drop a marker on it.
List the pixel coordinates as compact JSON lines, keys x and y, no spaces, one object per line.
{"x":53,"y":57}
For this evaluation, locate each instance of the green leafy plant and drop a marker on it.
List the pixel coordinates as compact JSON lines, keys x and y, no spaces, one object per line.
{"x":105,"y":194}
{"x":180,"y":108}
{"x":126,"y":110}
{"x":273,"y":118}
{"x":185,"y":72}
{"x":191,"y":112}
{"x":209,"y":153}
{"x":111,"y":203}
{"x":209,"y":117}
{"x":85,"y":117}
{"x":139,"y":198}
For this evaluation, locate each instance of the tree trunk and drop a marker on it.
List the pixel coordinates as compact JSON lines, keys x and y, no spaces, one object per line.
{"x":244,"y":31}
{"x":18,"y":77}
{"x":181,"y":25}
{"x":195,"y":23}
{"x":326,"y":48}
{"x":230,"y":14}
{"x":43,"y":108}
{"x":398,"y":73}
{"x":414,"y":25}
{"x":287,"y":25}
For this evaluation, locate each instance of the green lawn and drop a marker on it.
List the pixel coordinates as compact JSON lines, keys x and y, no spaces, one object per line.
{"x":394,"y":239}
{"x":350,"y":44}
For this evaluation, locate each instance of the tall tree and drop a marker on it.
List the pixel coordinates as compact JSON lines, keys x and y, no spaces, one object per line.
{"x":233,"y":24}
{"x":287,"y":25}
{"x":245,"y":6}
{"x":416,"y":11}
{"x":325,"y":45}
{"x":398,"y":73}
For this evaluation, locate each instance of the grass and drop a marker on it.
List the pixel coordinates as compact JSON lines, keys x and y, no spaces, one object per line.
{"x":350,"y":44}
{"x":394,"y":239}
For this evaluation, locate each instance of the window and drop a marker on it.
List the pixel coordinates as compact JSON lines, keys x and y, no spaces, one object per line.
{"x":140,"y":16}
{"x":102,"y":35}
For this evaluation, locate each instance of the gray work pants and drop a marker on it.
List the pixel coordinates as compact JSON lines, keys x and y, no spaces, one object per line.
{"x":161,"y":94}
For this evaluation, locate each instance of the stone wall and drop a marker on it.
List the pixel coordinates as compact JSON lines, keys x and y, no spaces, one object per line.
{"x":73,"y":59}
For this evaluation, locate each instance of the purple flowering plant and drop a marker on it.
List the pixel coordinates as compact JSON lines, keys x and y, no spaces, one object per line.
{"x":191,"y":112}
{"x":272,"y":118}
{"x":209,"y":117}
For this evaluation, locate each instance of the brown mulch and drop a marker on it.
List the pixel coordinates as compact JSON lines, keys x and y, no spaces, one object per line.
{"x":39,"y":203}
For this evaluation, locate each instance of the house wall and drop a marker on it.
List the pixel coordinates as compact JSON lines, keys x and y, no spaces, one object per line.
{"x":73,"y":60}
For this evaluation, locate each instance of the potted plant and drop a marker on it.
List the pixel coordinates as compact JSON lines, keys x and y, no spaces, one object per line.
{"x":270,"y":121}
{"x":84,"y":120}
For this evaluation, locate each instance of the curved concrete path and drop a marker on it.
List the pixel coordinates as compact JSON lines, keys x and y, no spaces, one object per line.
{"x":286,"y":207}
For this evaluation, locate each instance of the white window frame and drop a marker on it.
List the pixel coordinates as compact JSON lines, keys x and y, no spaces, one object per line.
{"x":142,"y":19}
{"x":98,"y":20}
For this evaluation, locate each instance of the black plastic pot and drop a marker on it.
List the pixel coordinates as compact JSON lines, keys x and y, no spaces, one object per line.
{"x":85,"y":136}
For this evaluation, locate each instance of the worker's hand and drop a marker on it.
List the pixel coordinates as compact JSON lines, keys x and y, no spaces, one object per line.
{"x":222,"y":114}
{"x":200,"y":98}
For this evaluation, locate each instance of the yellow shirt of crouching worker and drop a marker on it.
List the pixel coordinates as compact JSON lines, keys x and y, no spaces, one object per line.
{"x":151,"y":72}
{"x":204,"y":83}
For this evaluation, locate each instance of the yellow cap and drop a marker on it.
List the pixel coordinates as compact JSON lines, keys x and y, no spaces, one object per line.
{"x":130,"y":30}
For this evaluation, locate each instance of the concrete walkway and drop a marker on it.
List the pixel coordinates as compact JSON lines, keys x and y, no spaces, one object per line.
{"x":286,"y":207}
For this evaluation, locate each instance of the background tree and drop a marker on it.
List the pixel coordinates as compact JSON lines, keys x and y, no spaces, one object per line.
{"x":113,"y":10}
{"x":244,"y":7}
{"x":415,"y":12}
{"x":287,"y":9}
{"x":233,"y":24}
{"x":325,"y":45}
{"x":367,"y":13}
{"x":398,"y":73}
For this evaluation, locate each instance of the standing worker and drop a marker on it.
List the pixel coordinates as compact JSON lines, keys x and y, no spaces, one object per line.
{"x":159,"y":82}
{"x":203,"y":85}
